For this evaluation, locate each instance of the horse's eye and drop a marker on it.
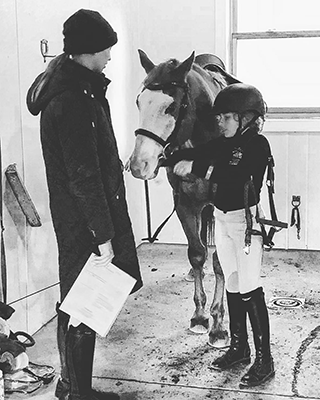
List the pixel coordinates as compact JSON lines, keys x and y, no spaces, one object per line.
{"x":170,"y":109}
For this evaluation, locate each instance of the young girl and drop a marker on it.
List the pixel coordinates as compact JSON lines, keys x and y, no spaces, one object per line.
{"x":238,"y":157}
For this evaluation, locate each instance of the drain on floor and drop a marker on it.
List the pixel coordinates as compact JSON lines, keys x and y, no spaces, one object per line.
{"x":286,"y":302}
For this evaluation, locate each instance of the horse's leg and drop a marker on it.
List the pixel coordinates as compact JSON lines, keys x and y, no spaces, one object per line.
{"x":197,"y":254}
{"x":190,"y":275}
{"x":218,"y":336}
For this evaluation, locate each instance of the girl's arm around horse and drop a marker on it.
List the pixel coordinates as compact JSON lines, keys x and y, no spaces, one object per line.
{"x":211,"y":150}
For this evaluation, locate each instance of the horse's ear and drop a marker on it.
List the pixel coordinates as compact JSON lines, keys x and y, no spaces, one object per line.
{"x":185,"y":66}
{"x":145,"y":61}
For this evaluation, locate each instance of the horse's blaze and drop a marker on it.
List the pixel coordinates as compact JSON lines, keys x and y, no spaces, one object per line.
{"x":155,"y":119}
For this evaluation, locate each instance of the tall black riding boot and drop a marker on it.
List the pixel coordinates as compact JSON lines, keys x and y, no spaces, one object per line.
{"x":262,"y":369}
{"x":80,"y":354}
{"x":63,"y":385}
{"x":239,"y":350}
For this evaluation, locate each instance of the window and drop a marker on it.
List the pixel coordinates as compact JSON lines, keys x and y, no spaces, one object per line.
{"x":276,"y":47}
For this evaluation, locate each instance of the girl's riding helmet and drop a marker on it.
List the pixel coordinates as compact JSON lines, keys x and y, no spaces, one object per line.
{"x":240,"y":98}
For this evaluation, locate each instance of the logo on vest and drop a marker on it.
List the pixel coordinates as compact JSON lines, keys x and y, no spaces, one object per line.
{"x":237,"y":154}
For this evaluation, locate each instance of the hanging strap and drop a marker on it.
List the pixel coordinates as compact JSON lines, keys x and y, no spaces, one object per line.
{"x":152,"y":238}
{"x":3,"y":254}
{"x":295,"y":214}
{"x":249,"y":222}
{"x":275,"y":224}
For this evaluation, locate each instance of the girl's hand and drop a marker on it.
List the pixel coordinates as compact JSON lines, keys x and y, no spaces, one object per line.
{"x":183,"y":168}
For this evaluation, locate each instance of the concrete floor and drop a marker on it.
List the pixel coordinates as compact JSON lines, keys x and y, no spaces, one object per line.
{"x":150,"y":354}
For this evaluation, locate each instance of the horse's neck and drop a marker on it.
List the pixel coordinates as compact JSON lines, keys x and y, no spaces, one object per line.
{"x":204,"y":87}
{"x":199,"y":125}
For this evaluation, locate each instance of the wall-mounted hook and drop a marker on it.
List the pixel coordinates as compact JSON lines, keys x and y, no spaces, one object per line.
{"x":44,"y":48}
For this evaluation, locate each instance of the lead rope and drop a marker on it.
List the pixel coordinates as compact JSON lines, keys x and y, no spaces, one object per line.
{"x":152,"y":238}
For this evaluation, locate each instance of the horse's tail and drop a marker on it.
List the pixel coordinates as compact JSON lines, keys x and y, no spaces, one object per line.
{"x":207,"y":225}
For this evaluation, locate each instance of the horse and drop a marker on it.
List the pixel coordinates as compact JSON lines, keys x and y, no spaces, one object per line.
{"x":175,"y":111}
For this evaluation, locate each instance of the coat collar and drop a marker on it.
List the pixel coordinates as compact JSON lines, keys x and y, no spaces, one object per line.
{"x":95,"y":83}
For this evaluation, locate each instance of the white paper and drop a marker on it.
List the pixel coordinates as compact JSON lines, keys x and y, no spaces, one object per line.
{"x":98,"y":295}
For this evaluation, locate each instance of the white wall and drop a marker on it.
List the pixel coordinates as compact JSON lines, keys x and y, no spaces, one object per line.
{"x":295,"y":145}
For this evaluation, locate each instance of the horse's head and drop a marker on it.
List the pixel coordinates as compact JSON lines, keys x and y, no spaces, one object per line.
{"x":167,"y":111}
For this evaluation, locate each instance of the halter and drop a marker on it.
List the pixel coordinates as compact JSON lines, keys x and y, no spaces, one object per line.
{"x":171,"y":141}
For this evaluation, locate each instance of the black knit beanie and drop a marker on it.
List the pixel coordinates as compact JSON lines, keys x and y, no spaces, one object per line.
{"x":87,"y":32}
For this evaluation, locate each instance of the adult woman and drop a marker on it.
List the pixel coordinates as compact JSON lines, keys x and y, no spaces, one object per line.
{"x":85,"y":181}
{"x":238,"y":157}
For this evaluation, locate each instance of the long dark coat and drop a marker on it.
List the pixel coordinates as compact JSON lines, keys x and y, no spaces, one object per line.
{"x":84,"y":171}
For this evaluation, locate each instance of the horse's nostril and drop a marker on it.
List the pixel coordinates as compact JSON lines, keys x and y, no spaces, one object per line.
{"x":138,"y":169}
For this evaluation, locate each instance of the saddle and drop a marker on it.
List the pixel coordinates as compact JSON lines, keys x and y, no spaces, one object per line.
{"x":212,"y":62}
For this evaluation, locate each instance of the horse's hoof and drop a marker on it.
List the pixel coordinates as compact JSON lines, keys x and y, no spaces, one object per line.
{"x":199,"y":325}
{"x":190,"y":276}
{"x":220,"y":342}
{"x":198,"y":329}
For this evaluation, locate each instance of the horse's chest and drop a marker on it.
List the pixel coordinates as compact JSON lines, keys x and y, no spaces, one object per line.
{"x":198,"y":190}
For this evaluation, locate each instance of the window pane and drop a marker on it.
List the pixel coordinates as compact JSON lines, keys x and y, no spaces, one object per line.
{"x":285,"y":70}
{"x":280,"y":15}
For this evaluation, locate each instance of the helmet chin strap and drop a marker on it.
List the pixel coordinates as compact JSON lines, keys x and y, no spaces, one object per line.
{"x":242,"y":130}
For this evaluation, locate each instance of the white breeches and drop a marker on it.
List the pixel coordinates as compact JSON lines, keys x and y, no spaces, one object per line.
{"x":241,"y":271}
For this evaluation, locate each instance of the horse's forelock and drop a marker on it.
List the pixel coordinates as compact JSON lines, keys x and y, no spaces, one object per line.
{"x":161,"y":74}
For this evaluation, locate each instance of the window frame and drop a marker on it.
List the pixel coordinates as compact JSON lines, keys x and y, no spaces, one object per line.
{"x":273,"y":112}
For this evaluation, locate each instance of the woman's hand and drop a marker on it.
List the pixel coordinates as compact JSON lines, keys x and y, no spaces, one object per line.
{"x":107,"y":254}
{"x":183,"y":168}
